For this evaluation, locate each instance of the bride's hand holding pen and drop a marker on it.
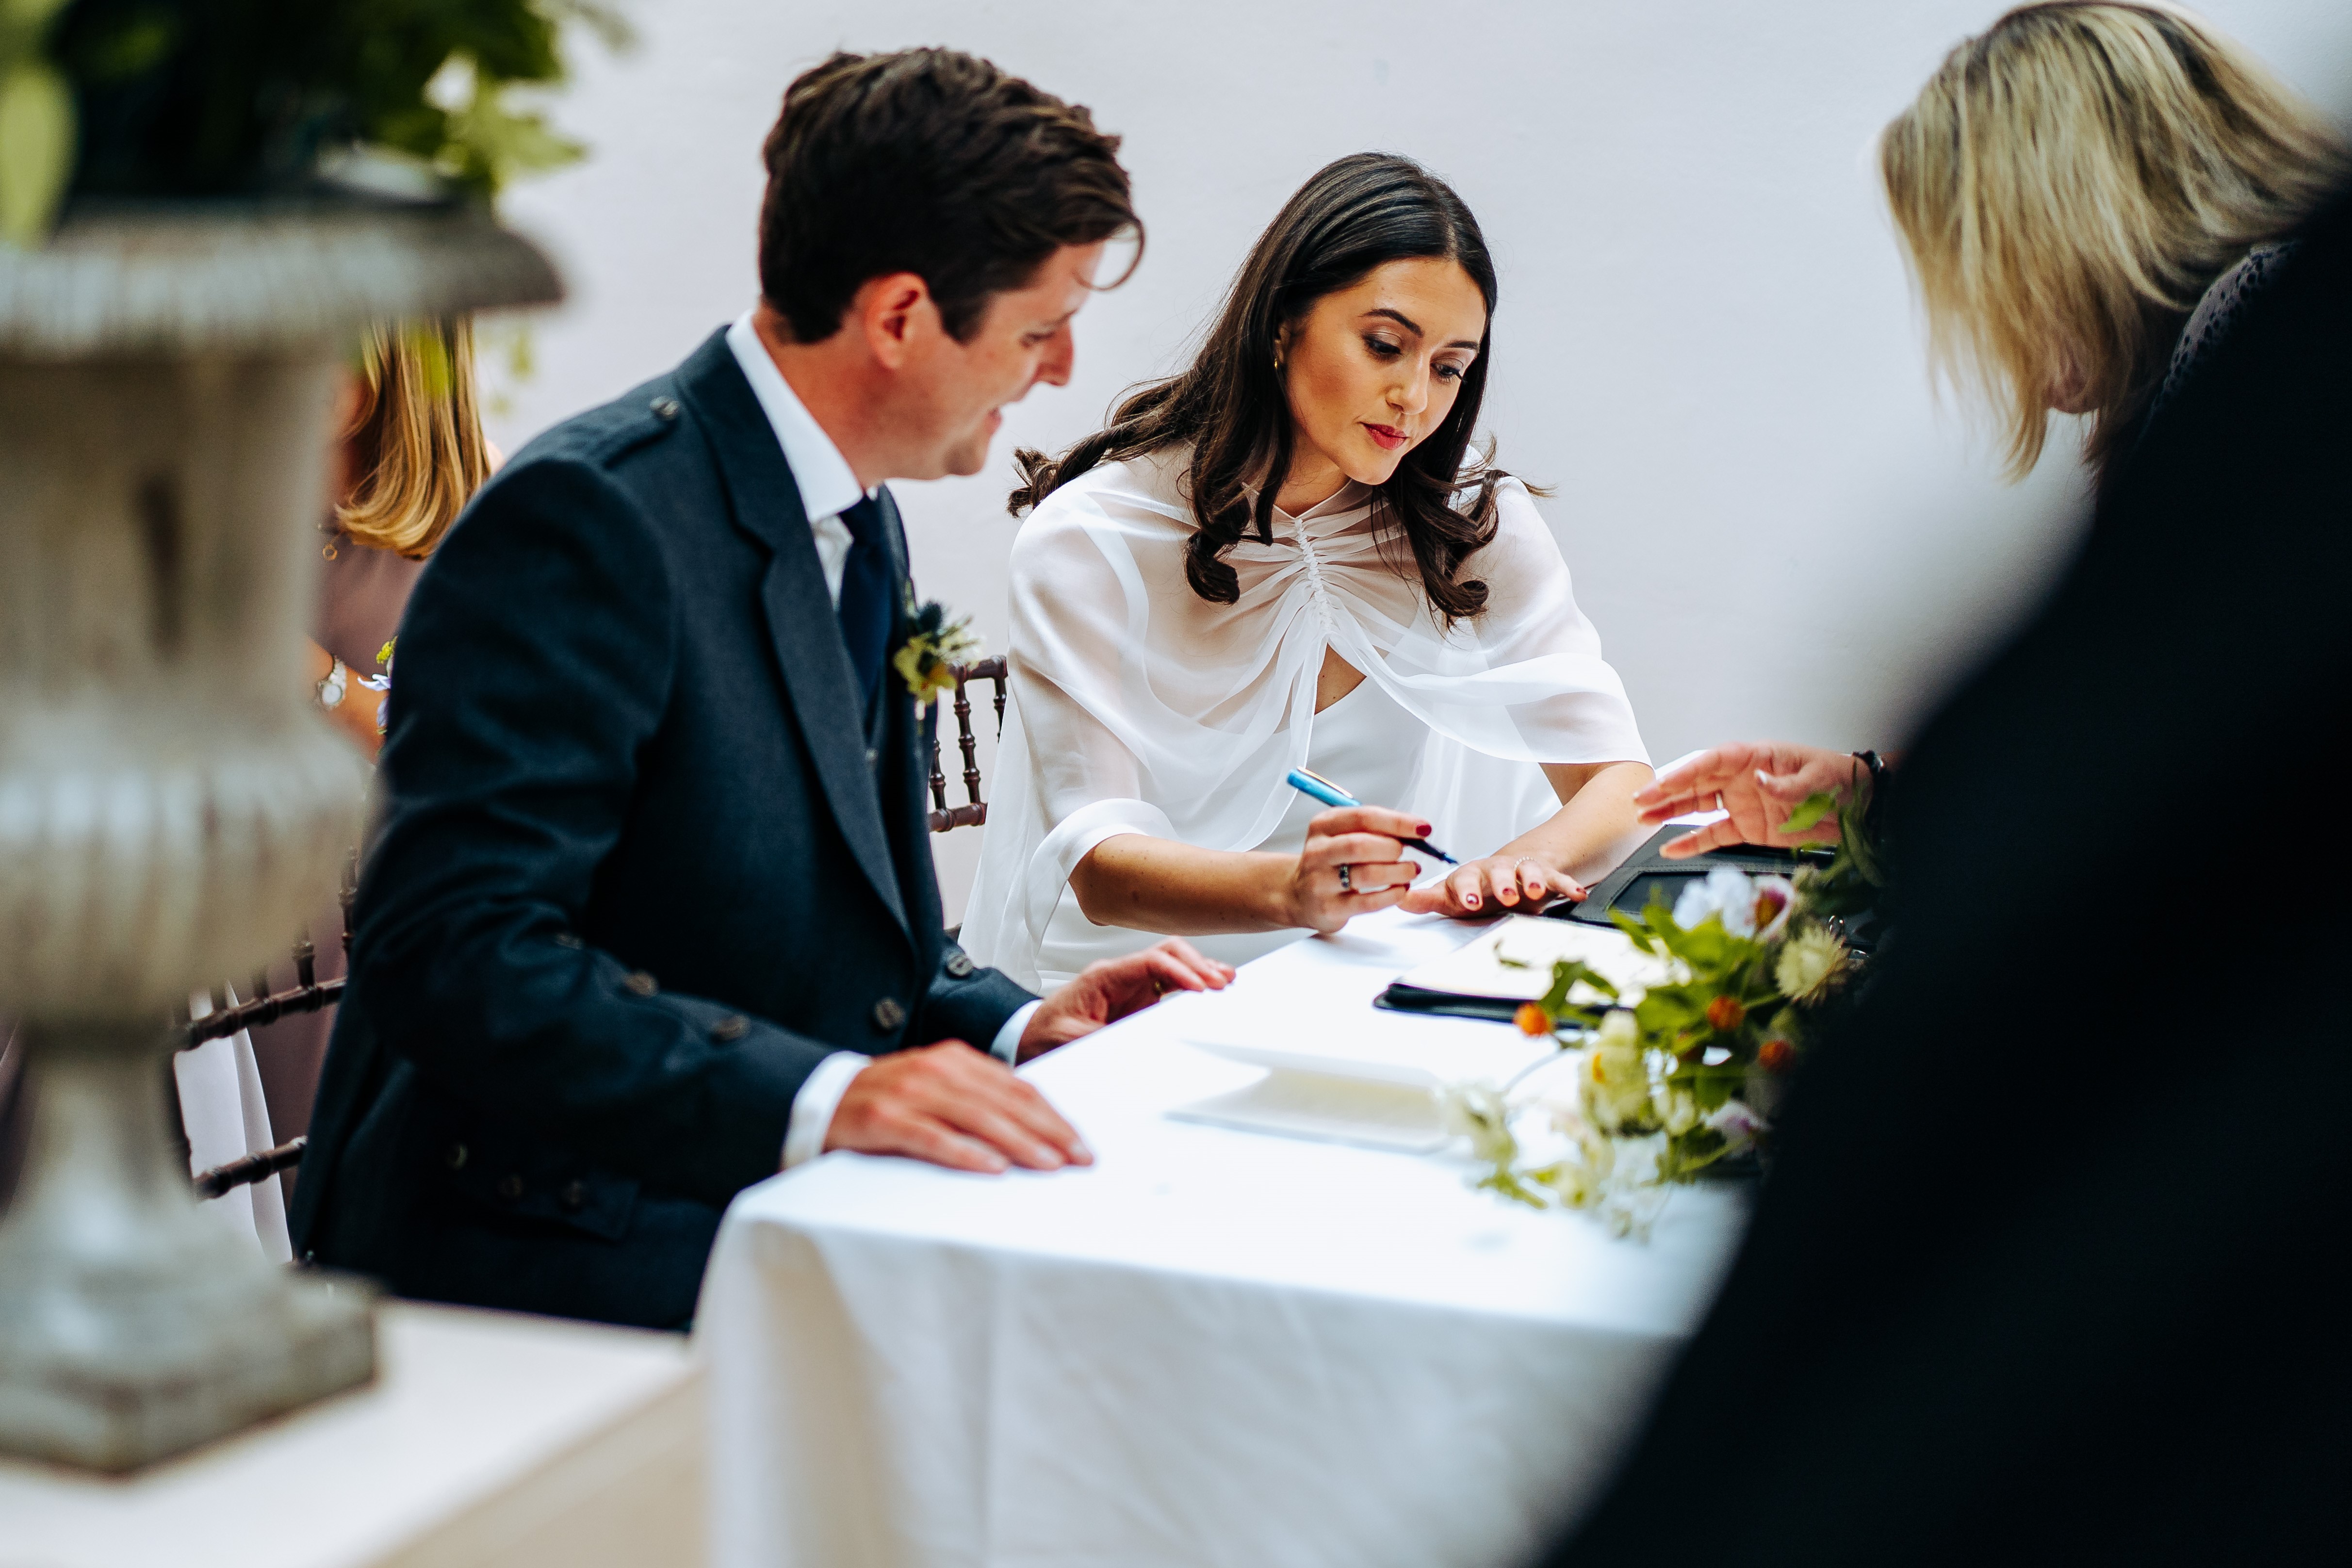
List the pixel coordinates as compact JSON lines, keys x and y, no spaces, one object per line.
{"x":1527,"y":873}
{"x":1343,"y":871}
{"x":1493,"y":886}
{"x":1353,"y":863}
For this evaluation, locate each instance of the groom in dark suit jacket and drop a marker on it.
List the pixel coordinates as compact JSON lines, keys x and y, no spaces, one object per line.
{"x":652,"y":911}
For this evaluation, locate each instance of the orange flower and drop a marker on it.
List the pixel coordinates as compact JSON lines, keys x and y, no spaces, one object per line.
{"x":1777,"y":1056}
{"x":1532,"y":1019}
{"x":1726,"y":1014}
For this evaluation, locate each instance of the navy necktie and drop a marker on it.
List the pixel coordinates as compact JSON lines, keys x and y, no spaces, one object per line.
{"x":865,"y":604}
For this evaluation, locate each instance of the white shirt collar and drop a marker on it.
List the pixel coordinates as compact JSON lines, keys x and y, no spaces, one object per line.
{"x":828,"y":487}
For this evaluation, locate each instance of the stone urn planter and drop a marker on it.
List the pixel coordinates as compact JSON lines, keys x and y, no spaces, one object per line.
{"x":170,"y":803}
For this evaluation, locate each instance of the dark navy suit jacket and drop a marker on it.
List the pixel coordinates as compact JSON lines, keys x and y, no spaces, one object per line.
{"x":644,"y":864}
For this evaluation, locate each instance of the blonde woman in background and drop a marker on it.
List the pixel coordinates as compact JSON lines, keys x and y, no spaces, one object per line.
{"x":409,"y":453}
{"x":410,"y":456}
{"x":2089,"y":193}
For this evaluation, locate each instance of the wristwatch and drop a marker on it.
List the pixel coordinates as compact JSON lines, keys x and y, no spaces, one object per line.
{"x":1872,"y":808}
{"x":332,"y":689}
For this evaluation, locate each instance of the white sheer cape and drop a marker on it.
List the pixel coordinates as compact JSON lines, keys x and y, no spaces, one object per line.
{"x":1139,"y":707}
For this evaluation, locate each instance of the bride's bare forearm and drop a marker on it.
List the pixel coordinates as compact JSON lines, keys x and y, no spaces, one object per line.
{"x":1159,"y":885}
{"x":1597,"y":813}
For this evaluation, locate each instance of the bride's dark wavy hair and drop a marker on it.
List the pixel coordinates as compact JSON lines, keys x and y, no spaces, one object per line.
{"x":1354,"y":215}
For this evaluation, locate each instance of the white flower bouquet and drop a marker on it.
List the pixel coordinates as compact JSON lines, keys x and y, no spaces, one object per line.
{"x":1684,"y":1076}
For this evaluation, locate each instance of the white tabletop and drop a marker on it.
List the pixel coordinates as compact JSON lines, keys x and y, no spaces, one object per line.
{"x":1212,"y":1346}
{"x":488,"y":1438}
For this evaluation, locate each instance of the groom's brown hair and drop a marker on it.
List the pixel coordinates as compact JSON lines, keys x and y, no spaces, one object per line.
{"x":931,"y":161}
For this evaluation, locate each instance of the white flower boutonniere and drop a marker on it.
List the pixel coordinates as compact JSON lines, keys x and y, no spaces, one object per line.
{"x":931,"y":646}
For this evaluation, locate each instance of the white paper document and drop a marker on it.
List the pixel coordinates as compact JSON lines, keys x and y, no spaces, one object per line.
{"x":1513,"y":961}
{"x":1344,"y":1070}
{"x":1357,"y":1041}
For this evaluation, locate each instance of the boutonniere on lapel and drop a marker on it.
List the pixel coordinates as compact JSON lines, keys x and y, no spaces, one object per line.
{"x":934,"y":644}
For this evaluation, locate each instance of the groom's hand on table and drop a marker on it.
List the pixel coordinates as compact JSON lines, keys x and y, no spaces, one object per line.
{"x":954,"y":1106}
{"x":1105,"y":992}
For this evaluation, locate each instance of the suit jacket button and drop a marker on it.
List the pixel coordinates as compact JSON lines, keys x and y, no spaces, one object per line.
{"x":959,"y":964}
{"x":510,"y":1187}
{"x":641,"y":982}
{"x":733,"y":1026}
{"x":664,"y":407}
{"x":888,"y":1015}
{"x":872,"y":756}
{"x":456,"y":1157}
{"x":576,"y":1196}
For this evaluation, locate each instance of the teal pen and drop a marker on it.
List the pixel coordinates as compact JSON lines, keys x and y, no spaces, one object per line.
{"x":1330,"y":794}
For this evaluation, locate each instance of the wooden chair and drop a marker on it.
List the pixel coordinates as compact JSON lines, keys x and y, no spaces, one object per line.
{"x":974,"y":811}
{"x":310,"y":995}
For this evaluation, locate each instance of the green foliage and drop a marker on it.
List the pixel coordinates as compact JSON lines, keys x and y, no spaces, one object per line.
{"x":1856,"y":879}
{"x":1677,"y":1071}
{"x":1567,"y":973}
{"x":194,"y":99}
{"x":1691,"y":1153}
{"x":1507,"y":1182}
{"x":1683,"y":1077}
{"x":1810,"y":811}
{"x":37,"y":123}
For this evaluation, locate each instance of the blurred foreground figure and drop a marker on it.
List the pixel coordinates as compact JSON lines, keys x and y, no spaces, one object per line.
{"x":2045,"y":1267}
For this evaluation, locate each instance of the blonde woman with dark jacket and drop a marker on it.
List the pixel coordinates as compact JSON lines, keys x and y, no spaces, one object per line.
{"x":2088,"y":194}
{"x":2071,"y":184}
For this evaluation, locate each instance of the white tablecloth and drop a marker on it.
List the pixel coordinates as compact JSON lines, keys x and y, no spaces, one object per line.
{"x":1214,"y":1347}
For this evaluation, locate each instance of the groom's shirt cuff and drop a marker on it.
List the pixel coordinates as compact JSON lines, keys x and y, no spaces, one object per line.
{"x":813,"y":1106}
{"x":1006,"y":1047}
{"x":821,"y":1092}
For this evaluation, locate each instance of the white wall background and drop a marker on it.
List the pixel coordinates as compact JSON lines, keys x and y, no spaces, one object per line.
{"x":1705,"y":339}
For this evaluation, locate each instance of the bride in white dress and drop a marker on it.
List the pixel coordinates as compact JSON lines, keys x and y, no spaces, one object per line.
{"x":1388,"y":612}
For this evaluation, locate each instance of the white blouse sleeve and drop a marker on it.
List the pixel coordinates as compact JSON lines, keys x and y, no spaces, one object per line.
{"x":1068,"y":772}
{"x":1525,"y":679}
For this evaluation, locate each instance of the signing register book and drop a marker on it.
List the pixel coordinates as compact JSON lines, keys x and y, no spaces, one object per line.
{"x":1511,"y":965}
{"x":1484,"y":980}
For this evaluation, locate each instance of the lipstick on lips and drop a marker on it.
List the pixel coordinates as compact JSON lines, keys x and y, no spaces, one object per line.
{"x":1389,"y":437}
